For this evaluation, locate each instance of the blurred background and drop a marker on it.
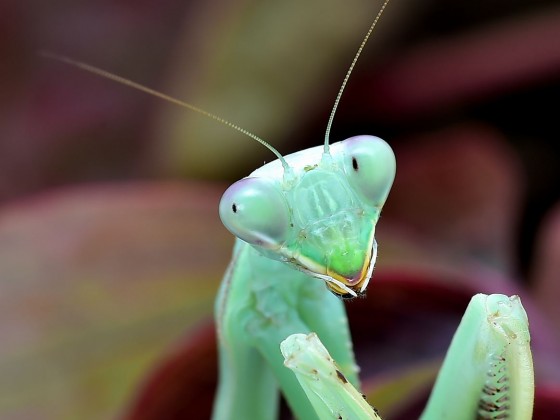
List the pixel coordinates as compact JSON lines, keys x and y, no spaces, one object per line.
{"x":111,"y":248}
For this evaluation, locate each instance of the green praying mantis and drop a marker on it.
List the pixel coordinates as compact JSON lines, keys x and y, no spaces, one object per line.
{"x":305,"y":227}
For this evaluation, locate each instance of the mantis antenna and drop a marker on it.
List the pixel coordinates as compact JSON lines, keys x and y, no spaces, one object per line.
{"x":127,"y":82}
{"x":348,"y":73}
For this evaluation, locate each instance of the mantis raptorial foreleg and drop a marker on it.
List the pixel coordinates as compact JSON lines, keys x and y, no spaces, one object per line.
{"x":488,"y":369}
{"x":487,"y":372}
{"x":326,"y":387}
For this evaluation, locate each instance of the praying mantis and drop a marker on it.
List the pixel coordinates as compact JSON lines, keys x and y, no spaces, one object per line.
{"x":305,"y":228}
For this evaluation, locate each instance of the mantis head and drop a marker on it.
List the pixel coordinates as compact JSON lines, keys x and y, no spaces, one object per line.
{"x":320,"y":217}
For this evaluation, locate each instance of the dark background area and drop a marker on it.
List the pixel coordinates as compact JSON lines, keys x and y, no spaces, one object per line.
{"x":110,"y":243}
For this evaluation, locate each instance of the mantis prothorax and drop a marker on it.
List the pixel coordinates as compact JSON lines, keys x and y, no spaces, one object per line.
{"x":305,"y":226}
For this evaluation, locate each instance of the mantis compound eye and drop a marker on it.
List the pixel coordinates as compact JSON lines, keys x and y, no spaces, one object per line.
{"x":369,"y":164}
{"x":255,"y":210}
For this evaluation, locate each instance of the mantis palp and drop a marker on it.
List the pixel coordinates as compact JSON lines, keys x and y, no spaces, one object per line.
{"x":305,"y":225}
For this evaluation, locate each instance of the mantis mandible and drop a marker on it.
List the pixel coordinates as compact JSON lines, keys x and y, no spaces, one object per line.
{"x":305,"y":227}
